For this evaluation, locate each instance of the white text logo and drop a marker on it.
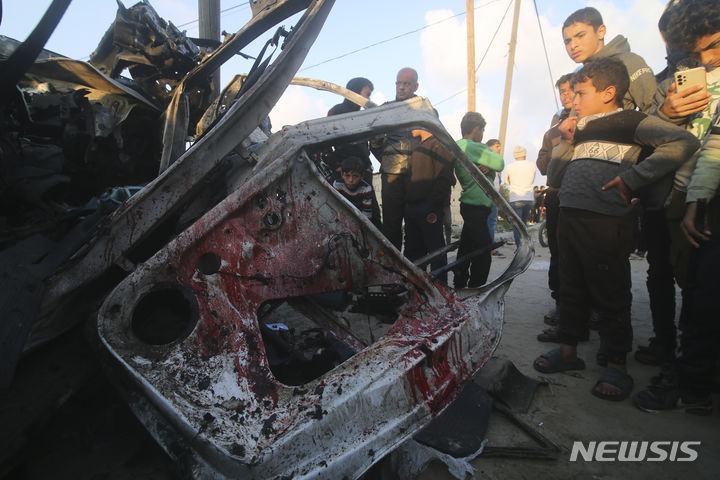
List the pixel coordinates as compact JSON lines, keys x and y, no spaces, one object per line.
{"x":661,"y":451}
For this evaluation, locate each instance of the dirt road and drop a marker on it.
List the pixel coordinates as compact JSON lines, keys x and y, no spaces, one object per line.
{"x":567,"y":412}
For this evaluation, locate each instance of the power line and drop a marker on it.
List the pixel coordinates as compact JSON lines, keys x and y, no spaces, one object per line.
{"x":493,"y":37}
{"x":547,"y":59}
{"x":244,"y":4}
{"x":484,"y":55}
{"x":392,"y":38}
{"x":380,"y":42}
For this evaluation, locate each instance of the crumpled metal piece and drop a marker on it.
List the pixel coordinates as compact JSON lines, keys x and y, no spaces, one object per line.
{"x":155,"y":52}
{"x":411,"y":458}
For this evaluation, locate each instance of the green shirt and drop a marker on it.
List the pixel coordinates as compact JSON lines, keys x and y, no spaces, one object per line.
{"x":480,"y":154}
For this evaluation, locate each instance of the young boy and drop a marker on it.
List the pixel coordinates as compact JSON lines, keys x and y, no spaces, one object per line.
{"x":693,"y":26}
{"x":598,"y":166}
{"x":475,"y":206}
{"x":354,"y":188}
{"x":495,"y":146}
{"x":584,"y":37}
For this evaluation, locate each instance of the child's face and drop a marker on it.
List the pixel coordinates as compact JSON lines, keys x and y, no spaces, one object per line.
{"x":589,"y":101}
{"x":351,"y":179}
{"x":707,"y":50}
{"x":566,"y":94}
{"x":582,"y":41}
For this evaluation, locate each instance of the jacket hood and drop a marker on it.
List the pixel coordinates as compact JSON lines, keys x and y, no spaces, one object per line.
{"x":616,"y":46}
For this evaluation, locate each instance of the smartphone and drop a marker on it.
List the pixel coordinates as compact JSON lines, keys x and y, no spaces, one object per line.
{"x":692,"y":76}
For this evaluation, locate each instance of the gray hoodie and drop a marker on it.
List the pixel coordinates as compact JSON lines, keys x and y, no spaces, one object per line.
{"x":642,"y":81}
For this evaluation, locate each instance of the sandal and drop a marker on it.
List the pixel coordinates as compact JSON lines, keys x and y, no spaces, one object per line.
{"x":550,"y":335}
{"x":557,"y":364}
{"x":615,"y":377}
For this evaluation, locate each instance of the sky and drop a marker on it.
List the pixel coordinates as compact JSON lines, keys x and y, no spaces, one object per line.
{"x":377,"y":38}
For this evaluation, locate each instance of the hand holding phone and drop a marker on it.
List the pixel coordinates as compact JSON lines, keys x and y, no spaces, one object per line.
{"x":688,"y":95}
{"x":691,"y":77}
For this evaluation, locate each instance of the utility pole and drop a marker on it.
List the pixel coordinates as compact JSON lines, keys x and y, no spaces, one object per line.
{"x":209,"y":20}
{"x":508,"y":75}
{"x":470,"y":14}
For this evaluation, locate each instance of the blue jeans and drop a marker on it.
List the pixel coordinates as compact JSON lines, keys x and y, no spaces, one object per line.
{"x":492,"y":222}
{"x":522,"y":209}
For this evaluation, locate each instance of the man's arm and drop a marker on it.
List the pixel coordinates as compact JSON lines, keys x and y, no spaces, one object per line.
{"x":484,"y":155}
{"x":642,"y":82}
{"x":550,"y":140}
{"x":561,"y":156}
{"x":673,"y":145}
{"x":705,"y":180}
{"x":675,"y":107}
{"x":704,"y":185}
{"x":562,"y":153}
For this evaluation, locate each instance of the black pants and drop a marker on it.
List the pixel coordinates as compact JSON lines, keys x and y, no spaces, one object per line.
{"x":422,"y":236}
{"x":393,"y":207}
{"x":660,"y":283}
{"x":552,"y":212}
{"x":700,"y":334}
{"x":595,"y":273}
{"x":474,"y":235}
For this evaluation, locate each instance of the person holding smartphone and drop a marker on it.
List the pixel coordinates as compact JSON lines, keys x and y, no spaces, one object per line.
{"x":693,"y":27}
{"x":685,"y":99}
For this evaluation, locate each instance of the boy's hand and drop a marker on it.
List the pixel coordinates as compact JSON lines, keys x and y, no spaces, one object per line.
{"x":484,"y":169}
{"x":681,"y":104}
{"x":688,"y":226}
{"x":622,"y":189}
{"x":567,"y":128}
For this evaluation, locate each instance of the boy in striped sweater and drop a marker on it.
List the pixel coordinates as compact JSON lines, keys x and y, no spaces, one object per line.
{"x":603,"y":158}
{"x":354,"y":188}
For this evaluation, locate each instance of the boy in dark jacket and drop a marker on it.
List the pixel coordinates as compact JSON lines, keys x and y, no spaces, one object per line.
{"x":598,"y":167}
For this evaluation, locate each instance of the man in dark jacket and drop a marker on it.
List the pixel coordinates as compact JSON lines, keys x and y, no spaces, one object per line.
{"x":393,"y":151}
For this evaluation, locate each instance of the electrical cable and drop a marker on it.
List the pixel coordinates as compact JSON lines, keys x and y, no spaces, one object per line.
{"x":483,"y":57}
{"x":393,"y":38}
{"x":547,"y":58}
{"x":244,"y":4}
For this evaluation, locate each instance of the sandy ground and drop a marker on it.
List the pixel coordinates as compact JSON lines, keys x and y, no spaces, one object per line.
{"x":94,"y":436}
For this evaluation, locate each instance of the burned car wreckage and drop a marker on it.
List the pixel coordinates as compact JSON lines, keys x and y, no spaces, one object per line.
{"x":259,"y":325}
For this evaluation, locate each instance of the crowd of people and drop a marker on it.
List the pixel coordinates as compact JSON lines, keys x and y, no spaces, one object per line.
{"x":628,"y":141}
{"x":625,"y":139}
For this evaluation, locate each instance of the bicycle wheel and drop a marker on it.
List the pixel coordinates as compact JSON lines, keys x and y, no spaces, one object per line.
{"x":542,"y":234}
